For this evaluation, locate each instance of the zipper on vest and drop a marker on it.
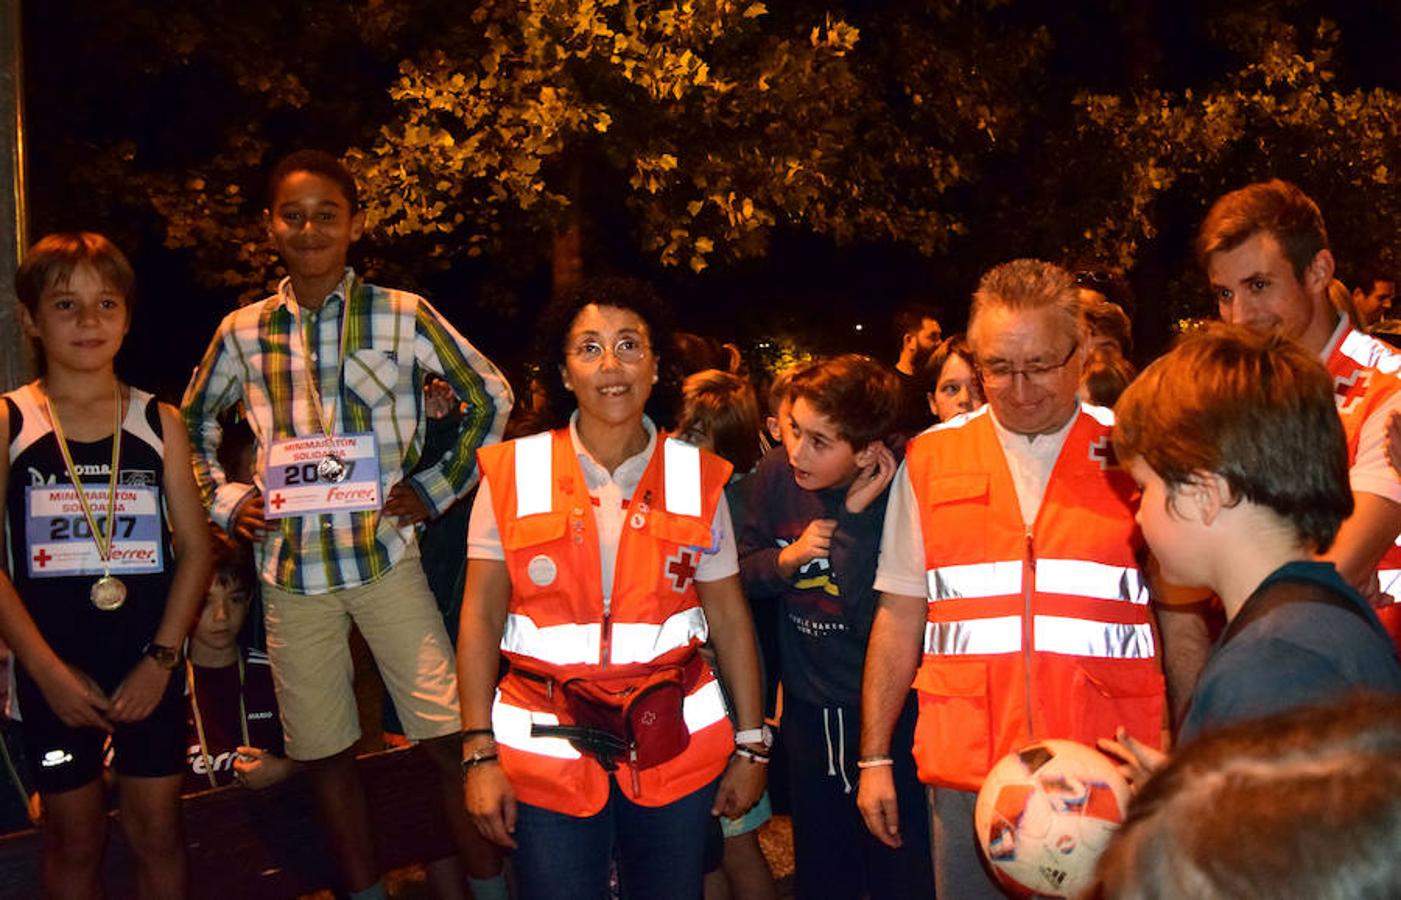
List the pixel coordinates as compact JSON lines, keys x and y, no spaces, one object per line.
{"x":632,"y":764}
{"x":1028,"y":580}
{"x":606,"y":636}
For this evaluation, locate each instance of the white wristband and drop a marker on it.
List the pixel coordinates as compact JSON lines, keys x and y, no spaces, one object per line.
{"x":761,"y":735}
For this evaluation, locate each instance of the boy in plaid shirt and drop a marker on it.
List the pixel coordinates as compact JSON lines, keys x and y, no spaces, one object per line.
{"x":330,"y":370}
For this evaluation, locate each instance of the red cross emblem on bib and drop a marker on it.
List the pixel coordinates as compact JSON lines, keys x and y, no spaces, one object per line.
{"x":1102,"y":452}
{"x":681,"y":568}
{"x":1349,"y":391}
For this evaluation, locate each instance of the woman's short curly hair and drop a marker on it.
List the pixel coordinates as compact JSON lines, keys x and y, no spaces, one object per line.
{"x":557,"y":318}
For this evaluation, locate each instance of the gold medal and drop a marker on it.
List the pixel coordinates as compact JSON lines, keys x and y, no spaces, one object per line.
{"x":108,"y":593}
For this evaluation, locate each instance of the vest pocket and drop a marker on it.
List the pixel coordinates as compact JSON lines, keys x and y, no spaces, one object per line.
{"x":532,"y":530}
{"x":953,"y":735}
{"x":1107,"y":694}
{"x":687,"y":531}
{"x":959,"y":503}
{"x":953,"y":488}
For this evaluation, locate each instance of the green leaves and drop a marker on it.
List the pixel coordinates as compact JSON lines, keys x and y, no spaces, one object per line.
{"x":703,"y":109}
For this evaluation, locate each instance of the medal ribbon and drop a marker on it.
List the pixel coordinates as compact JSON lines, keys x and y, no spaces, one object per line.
{"x":313,"y":379}
{"x":104,"y":545}
{"x":199,"y":720}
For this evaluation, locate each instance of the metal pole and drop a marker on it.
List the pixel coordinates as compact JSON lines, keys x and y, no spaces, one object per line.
{"x":16,"y":358}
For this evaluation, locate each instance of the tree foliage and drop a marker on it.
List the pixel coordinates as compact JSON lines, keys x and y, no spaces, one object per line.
{"x":727,"y":120}
{"x":1281,"y":113}
{"x":967,"y":131}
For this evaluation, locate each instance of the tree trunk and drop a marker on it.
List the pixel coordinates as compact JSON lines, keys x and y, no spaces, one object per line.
{"x":16,"y":360}
{"x":567,"y":259}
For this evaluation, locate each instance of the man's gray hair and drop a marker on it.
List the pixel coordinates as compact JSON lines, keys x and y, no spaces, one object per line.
{"x":1026,"y":284}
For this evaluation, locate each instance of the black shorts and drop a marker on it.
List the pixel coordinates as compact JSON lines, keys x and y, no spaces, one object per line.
{"x":63,"y":758}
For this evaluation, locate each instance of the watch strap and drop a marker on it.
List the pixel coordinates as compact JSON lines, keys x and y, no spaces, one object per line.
{"x":166,"y":657}
{"x":761,"y":735}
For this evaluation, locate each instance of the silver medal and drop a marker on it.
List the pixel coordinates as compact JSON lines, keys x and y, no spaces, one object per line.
{"x":331,"y":468}
{"x":108,"y":593}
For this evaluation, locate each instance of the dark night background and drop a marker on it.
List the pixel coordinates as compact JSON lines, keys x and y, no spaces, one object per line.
{"x":119,"y":93}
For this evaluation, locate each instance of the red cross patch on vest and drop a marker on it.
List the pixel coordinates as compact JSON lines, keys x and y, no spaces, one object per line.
{"x":682,"y":569}
{"x":1348,"y":391}
{"x":1102,"y":452}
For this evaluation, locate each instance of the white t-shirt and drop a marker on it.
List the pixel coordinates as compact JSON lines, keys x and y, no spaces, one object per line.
{"x":1030,"y":460}
{"x":610,"y":490}
{"x":1371,"y":473}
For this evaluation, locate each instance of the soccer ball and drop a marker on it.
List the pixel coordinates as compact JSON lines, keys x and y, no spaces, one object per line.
{"x":1045,"y":813}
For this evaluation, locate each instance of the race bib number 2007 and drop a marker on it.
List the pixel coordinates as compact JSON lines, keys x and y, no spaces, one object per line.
{"x":61,"y":541}
{"x":295,"y":487}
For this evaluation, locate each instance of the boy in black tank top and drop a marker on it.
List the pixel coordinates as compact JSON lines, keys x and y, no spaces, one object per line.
{"x":100,"y":603}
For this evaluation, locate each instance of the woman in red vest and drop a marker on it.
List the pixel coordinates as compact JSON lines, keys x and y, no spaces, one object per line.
{"x":601,"y":556}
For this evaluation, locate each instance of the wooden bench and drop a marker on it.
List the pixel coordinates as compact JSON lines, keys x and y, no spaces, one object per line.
{"x":265,"y":844}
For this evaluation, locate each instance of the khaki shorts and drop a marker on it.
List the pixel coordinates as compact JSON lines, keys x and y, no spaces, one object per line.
{"x":308,"y":645}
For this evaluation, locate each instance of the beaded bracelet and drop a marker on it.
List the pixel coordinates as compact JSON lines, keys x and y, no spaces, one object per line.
{"x":476,"y":759}
{"x":760,"y":758}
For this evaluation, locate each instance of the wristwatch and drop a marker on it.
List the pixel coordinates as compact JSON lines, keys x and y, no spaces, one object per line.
{"x":166,"y":657}
{"x":761,"y":735}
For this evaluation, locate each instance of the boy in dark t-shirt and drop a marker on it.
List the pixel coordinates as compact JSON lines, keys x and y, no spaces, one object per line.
{"x":232,"y":730}
{"x":810,"y":541}
{"x":1235,"y":441}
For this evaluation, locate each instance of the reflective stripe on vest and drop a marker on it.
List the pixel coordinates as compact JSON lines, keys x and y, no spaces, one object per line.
{"x":681,"y":463}
{"x":1002,"y":634}
{"x":559,"y":645}
{"x":1389,"y":580}
{"x":512,"y":727}
{"x":1101,"y":414}
{"x":1085,"y":637}
{"x":535,"y":470}
{"x":1076,"y":577}
{"x":1054,"y":634}
{"x":1368,"y":352}
{"x":995,"y":579}
{"x":1090,"y":579}
{"x":534,"y":474}
{"x":632,"y":642}
{"x":704,"y":707}
{"x":640,"y":642}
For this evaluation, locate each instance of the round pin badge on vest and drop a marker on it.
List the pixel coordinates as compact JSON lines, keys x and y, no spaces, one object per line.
{"x":638,"y":520}
{"x":542,"y":570}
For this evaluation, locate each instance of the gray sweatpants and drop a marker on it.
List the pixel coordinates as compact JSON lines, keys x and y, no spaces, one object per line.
{"x":959,"y":870}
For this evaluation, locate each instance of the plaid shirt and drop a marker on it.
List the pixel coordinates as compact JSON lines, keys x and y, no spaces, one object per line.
{"x":392,"y":337}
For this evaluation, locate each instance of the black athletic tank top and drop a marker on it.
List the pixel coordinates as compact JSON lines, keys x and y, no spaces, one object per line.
{"x":37,"y":525}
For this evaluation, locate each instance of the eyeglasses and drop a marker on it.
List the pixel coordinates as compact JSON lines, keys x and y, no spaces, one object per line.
{"x":1001,"y":374}
{"x":1090,"y":278}
{"x":625,"y":350}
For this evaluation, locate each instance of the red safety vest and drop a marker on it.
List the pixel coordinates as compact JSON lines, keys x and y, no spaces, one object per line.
{"x":556,"y":624}
{"x":1362,"y":368}
{"x":1031,"y":633}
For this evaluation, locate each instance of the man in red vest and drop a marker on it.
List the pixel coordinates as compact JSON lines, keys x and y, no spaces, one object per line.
{"x":1265,"y":251}
{"x":1010,"y":576}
